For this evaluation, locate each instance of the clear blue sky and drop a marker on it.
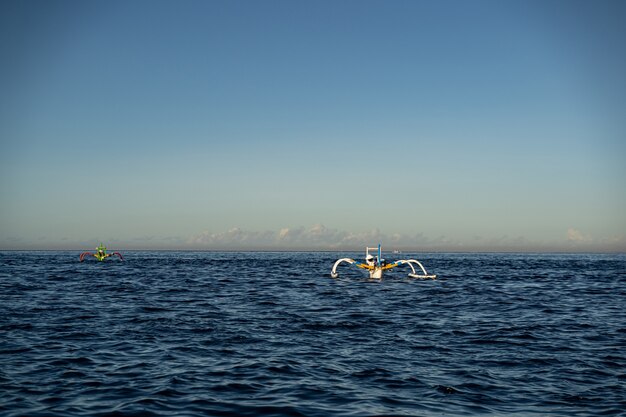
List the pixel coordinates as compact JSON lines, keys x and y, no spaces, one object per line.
{"x":429,"y":125}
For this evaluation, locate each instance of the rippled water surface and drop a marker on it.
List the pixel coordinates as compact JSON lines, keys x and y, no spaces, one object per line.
{"x":251,"y":334}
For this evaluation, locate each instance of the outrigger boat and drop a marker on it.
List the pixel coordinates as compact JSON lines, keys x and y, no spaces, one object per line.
{"x":376,"y":265}
{"x":101,"y":254}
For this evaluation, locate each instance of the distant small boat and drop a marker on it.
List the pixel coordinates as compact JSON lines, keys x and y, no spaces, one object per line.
{"x":100,"y":254}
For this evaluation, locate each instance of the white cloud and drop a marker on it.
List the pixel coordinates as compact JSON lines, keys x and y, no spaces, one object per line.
{"x":575,"y":236}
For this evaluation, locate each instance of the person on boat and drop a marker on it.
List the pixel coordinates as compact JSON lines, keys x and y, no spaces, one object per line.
{"x":101,"y":252}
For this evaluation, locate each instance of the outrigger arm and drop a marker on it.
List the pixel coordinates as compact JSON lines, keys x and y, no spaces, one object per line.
{"x":333,"y":273}
{"x":410,"y":262}
{"x":101,"y":257}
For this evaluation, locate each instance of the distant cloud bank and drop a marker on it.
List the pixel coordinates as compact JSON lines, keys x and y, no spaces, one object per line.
{"x":316,"y":237}
{"x":320,"y":237}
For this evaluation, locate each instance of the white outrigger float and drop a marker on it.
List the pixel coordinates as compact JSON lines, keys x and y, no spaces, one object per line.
{"x":376,"y":265}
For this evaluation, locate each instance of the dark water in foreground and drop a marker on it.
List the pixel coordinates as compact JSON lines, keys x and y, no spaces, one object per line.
{"x":271,"y":334}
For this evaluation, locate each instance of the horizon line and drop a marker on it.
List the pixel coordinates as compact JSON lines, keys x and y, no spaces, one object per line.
{"x":580,"y":251}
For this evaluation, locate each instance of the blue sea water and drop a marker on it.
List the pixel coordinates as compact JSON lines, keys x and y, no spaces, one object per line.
{"x":272,"y":334}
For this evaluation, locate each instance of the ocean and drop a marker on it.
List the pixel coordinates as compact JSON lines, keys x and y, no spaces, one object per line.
{"x":272,"y":334}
